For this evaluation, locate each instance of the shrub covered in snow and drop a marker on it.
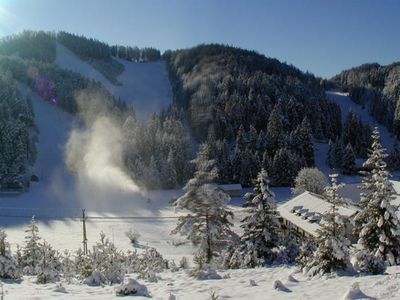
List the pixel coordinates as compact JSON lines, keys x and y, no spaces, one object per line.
{"x":278,"y":285}
{"x":205,"y":273}
{"x":104,"y":264}
{"x":151,"y":262}
{"x":146,"y":264}
{"x":354,"y":293}
{"x":8,"y":264}
{"x":306,"y":253}
{"x":286,"y":254}
{"x":310,"y":179}
{"x":132,"y":287}
{"x":133,"y":236}
{"x":365,"y":262}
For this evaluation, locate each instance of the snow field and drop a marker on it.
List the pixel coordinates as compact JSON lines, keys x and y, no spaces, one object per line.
{"x":235,"y":285}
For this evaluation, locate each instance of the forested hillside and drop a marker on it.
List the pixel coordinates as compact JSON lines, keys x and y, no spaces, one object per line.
{"x":18,"y":135}
{"x":250,"y":111}
{"x":376,"y":87}
{"x":253,"y":111}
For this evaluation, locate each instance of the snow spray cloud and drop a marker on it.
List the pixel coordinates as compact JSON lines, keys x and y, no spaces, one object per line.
{"x":94,"y":151}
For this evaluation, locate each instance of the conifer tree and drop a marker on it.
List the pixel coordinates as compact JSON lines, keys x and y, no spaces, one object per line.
{"x":330,"y":158}
{"x":31,"y":251}
{"x":261,"y":228}
{"x":275,"y":129}
{"x":339,"y":150}
{"x":332,"y":246}
{"x":252,"y":138}
{"x":307,"y":145}
{"x":207,"y":224}
{"x":285,"y":167}
{"x":377,"y":224}
{"x":348,"y":160}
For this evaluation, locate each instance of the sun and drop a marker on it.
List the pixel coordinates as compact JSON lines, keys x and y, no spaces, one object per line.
{"x":8,"y":20}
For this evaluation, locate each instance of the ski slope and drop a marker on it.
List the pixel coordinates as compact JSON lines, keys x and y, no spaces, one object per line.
{"x":145,"y":86}
{"x":346,"y":105}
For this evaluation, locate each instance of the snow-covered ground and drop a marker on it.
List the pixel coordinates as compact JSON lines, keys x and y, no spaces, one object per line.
{"x":145,"y":86}
{"x":235,"y":286}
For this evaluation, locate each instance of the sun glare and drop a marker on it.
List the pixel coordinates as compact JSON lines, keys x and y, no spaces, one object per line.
{"x":8,"y":20}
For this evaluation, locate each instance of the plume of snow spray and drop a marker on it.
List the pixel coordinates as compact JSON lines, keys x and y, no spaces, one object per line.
{"x":94,"y":151}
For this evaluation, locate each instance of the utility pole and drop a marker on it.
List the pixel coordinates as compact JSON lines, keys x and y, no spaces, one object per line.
{"x":85,"y":249}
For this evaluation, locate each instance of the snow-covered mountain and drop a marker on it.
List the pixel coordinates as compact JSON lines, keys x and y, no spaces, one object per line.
{"x":57,"y":199}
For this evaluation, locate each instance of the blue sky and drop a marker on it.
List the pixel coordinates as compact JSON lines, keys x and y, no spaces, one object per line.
{"x":323,"y":37}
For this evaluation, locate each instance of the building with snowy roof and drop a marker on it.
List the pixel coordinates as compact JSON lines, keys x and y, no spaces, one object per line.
{"x":233,"y":190}
{"x":351,"y":192}
{"x":302,"y":215}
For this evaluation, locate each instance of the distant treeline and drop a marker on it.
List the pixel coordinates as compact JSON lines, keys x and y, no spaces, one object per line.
{"x":40,"y":45}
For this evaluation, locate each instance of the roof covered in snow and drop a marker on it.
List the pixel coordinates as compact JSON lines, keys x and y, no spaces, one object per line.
{"x":231,"y":187}
{"x":306,"y":209}
{"x":351,"y":192}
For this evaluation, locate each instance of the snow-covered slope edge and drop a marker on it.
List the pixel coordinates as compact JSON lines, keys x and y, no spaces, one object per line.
{"x":145,"y":86}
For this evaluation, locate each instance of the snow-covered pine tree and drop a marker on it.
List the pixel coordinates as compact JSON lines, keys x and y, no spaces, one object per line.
{"x":275,"y":128}
{"x":332,"y":245}
{"x":261,"y":228}
{"x":68,"y":266}
{"x":8,"y":264}
{"x":377,"y":224}
{"x":104,"y":264}
{"x":31,"y":251}
{"x":49,"y":266}
{"x":207,"y":223}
